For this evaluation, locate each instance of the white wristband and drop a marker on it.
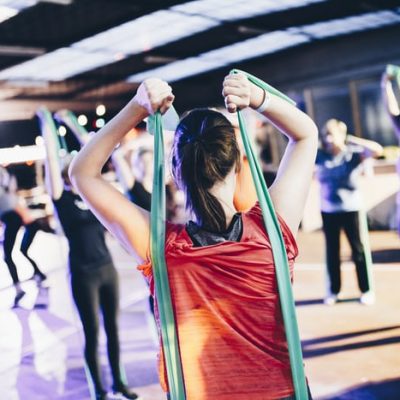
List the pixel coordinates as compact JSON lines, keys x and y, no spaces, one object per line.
{"x":265,"y":103}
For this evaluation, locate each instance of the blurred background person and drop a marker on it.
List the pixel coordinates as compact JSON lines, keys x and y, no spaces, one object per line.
{"x":14,"y":215}
{"x":338,"y":172}
{"x":94,"y":279}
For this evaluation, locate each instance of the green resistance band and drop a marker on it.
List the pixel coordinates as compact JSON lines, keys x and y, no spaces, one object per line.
{"x":362,"y":215}
{"x":157,"y":250}
{"x":47,"y":122}
{"x":395,"y":71}
{"x":278,"y":251}
{"x":69,"y":119}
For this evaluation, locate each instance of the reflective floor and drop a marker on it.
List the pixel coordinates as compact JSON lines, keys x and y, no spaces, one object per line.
{"x":351,"y":351}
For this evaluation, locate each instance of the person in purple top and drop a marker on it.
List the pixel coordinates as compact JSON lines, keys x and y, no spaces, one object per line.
{"x":338,"y":172}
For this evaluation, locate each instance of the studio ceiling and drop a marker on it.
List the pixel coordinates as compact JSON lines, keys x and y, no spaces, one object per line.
{"x":76,"y":53}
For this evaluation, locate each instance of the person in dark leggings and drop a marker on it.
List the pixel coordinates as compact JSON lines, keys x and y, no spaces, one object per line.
{"x":94,"y":279}
{"x":31,"y":229}
{"x":10,"y":215}
{"x":338,"y":171}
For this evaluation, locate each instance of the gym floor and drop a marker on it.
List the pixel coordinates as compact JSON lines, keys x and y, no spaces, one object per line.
{"x":351,"y":351}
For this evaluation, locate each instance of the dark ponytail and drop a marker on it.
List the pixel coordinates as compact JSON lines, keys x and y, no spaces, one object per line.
{"x":205,"y":151}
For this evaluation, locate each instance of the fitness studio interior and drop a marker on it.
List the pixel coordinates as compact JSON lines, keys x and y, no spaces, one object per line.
{"x":199,"y":200}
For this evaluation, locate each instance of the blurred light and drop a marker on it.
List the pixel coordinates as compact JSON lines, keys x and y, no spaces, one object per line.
{"x":116,"y":43}
{"x":74,"y":152}
{"x":62,"y":130}
{"x":18,"y":154}
{"x":100,"y":122}
{"x":6,"y":13}
{"x":266,"y":44}
{"x":238,"y":9}
{"x":100,"y":110}
{"x":82,"y":120}
{"x":119,"y":56}
{"x":39,"y":141}
{"x":347,"y":25}
{"x":10,"y":8}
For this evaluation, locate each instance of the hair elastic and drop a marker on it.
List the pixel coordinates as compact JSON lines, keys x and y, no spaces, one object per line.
{"x":265,"y":103}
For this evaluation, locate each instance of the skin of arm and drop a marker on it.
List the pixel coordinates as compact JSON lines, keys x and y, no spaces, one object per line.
{"x":127,"y":222}
{"x":290,"y":189}
{"x":53,"y":178}
{"x":370,"y":148}
{"x":388,"y":95}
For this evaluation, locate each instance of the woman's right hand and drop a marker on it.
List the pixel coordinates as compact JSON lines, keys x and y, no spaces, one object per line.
{"x":154,"y":95}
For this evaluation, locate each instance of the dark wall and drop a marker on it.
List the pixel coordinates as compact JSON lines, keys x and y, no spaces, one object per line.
{"x":22,"y":133}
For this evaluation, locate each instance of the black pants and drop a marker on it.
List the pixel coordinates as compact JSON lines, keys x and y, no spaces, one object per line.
{"x":93,"y":291}
{"x":12,"y":221}
{"x":29,"y":235}
{"x":333,"y":223}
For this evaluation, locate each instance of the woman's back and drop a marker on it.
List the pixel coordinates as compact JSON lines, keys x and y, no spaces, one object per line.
{"x":229,"y":322}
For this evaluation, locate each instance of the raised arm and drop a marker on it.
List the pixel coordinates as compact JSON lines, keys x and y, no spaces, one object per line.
{"x":370,"y":148}
{"x":53,"y":178}
{"x":290,"y":189}
{"x":388,"y":95}
{"x":127,"y":222}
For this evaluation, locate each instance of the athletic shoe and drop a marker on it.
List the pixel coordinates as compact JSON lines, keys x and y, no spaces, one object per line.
{"x":20,"y":294}
{"x":123,"y":393}
{"x":331,"y":299}
{"x":39,"y":277}
{"x":102,"y":395}
{"x":367,"y":298}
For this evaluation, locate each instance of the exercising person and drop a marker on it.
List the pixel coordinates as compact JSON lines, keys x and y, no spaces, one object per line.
{"x":94,"y":279}
{"x":338,"y":172}
{"x":221,"y":271}
{"x":12,"y":215}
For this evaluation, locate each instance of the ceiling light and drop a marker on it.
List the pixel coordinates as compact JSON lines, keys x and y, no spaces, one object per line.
{"x":100,"y":110}
{"x":238,"y":9}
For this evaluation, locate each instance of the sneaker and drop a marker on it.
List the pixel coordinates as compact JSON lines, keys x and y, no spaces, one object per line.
{"x":331,"y":299}
{"x":367,"y":298}
{"x":102,"y":395}
{"x":123,"y":393}
{"x":39,"y":277}
{"x":20,"y":294}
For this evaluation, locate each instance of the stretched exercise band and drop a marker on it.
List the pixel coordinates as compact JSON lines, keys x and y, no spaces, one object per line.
{"x":157,"y":250}
{"x":69,"y":119}
{"x":168,"y":330}
{"x":395,"y":71}
{"x":278,"y":251}
{"x":47,"y":122}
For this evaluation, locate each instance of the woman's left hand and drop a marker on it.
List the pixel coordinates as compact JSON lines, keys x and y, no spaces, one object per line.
{"x":240,"y":93}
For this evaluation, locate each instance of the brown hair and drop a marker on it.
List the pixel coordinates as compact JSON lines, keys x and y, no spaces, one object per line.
{"x":204,"y":152}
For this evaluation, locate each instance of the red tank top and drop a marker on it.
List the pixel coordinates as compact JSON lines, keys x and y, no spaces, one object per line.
{"x":229,"y":323}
